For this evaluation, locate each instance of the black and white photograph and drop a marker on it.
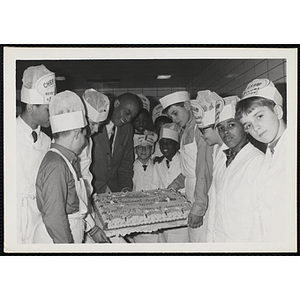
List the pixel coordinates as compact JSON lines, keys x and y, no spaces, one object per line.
{"x":150,"y":150}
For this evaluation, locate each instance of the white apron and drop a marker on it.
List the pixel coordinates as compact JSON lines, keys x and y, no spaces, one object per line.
{"x":188,"y":158}
{"x":78,"y":220}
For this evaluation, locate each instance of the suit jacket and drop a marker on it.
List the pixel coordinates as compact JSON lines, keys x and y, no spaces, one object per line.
{"x":112,"y":170}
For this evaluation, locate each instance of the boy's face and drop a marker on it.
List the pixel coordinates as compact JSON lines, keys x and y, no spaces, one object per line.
{"x":210,"y":136}
{"x":232,"y":133}
{"x":180,"y":115}
{"x":94,"y":126}
{"x":168,"y":147}
{"x":41,"y":115}
{"x":140,"y":122}
{"x":81,"y":140}
{"x":262,"y":123}
{"x":143,"y":152}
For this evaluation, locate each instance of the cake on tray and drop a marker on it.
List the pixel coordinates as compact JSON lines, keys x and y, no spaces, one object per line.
{"x":143,"y":211}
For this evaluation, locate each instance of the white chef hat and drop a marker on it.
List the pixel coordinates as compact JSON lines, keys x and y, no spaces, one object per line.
{"x":145,"y":139}
{"x":225,"y":109}
{"x":97,"y":105}
{"x":262,"y":88}
{"x":38,"y":85}
{"x":170,"y":131}
{"x":203,"y":108}
{"x":174,"y":98}
{"x":145,"y":101}
{"x":67,"y":112}
{"x":157,"y":112}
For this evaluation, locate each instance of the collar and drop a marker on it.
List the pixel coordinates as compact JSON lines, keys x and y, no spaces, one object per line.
{"x":273,"y":145}
{"x":70,"y":155}
{"x":229,"y":151}
{"x":28,"y":129}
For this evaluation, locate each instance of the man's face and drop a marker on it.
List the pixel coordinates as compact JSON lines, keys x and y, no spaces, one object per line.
{"x":124,"y":112}
{"x":262,"y":123}
{"x":210,"y":136}
{"x":40,"y":115}
{"x":232,"y":133}
{"x":168,"y":147}
{"x":180,"y":115}
{"x":143,"y":152}
{"x":140,"y":122}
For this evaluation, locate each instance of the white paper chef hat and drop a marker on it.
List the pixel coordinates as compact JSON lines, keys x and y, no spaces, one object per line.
{"x":97,"y":105}
{"x":67,"y":112}
{"x":145,"y":139}
{"x":145,"y":101}
{"x":157,"y":112}
{"x":174,"y":98}
{"x":262,"y":88}
{"x":203,"y":108}
{"x":38,"y":85}
{"x":225,"y":109}
{"x":170,"y":131}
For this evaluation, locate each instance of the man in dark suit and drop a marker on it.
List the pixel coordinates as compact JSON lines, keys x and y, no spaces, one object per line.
{"x":112,"y":153}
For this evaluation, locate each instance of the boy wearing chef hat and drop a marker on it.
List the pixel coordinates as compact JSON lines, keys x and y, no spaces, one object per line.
{"x":61,"y":193}
{"x":168,"y":168}
{"x":97,"y":108}
{"x":232,"y":213}
{"x":32,"y":144}
{"x":203,"y":109}
{"x":145,"y":177}
{"x":260,"y":111}
{"x":196,"y":161}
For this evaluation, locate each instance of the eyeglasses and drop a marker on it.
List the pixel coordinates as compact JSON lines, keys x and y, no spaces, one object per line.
{"x":202,"y":130}
{"x":140,"y":148}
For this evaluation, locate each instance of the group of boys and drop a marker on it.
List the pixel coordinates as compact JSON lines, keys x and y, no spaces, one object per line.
{"x":236,"y":191}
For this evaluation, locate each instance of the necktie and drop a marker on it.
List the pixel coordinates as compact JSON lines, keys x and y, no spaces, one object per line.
{"x":230,"y":156}
{"x":111,"y":139}
{"x":168,"y":163}
{"x":145,"y":167}
{"x":34,"y":135}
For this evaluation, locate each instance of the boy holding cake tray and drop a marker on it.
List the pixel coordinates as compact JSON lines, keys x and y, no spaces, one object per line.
{"x":168,"y":168}
{"x":61,"y":193}
{"x":196,"y":162}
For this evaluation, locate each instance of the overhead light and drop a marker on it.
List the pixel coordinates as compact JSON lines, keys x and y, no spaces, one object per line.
{"x":60,"y":78}
{"x":163,"y":76}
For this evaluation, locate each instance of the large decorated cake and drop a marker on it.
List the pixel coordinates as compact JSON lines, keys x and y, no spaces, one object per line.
{"x":144,"y":211}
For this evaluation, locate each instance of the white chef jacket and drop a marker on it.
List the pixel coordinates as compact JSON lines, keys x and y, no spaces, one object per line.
{"x":29,"y":157}
{"x":276,"y":203}
{"x":167,"y":175}
{"x":144,"y":180}
{"x":233,"y":214}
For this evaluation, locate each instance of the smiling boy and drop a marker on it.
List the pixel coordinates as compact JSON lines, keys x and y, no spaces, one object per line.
{"x":233,"y":207}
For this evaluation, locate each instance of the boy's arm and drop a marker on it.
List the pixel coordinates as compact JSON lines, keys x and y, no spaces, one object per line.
{"x":51,"y":200}
{"x":178,"y":183}
{"x":204,"y":166}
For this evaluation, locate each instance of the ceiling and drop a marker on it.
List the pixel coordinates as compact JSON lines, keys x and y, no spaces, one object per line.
{"x":138,"y":73}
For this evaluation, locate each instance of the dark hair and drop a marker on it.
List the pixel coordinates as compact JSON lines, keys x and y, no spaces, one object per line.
{"x":24,"y":106}
{"x":248,"y":105}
